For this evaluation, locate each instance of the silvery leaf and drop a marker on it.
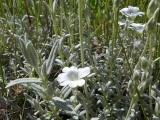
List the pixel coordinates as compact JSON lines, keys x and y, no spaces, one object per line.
{"x":44,"y":69}
{"x":33,"y":102}
{"x":62,"y":104}
{"x":32,"y":54}
{"x":51,"y":58}
{"x":23,"y":81}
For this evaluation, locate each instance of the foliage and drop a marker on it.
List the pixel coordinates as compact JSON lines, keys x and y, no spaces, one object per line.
{"x":113,"y":45}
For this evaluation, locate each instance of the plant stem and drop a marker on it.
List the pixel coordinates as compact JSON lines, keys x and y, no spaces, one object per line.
{"x":71,"y":26}
{"x":142,"y":54}
{"x":140,"y":100}
{"x":115,"y":29}
{"x":132,"y":103}
{"x":24,"y":103}
{"x":150,"y":60}
{"x":82,"y":52}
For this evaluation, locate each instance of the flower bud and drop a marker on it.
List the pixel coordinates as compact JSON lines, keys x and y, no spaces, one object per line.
{"x":136,"y":75}
{"x":144,"y":63}
{"x":152,"y":23}
{"x":115,"y":5}
{"x":151,"y":8}
{"x":131,"y":87}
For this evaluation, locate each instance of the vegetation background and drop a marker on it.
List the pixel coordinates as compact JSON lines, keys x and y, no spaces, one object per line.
{"x":89,"y":35}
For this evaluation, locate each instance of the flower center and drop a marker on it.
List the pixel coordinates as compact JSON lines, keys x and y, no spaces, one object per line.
{"x":74,"y":79}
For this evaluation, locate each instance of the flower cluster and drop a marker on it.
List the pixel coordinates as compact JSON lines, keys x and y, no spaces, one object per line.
{"x":131,"y":13}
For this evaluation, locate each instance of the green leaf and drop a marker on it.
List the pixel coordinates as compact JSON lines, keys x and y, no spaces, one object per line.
{"x":51,"y":58}
{"x":107,"y":85}
{"x":156,"y":91}
{"x":51,"y":88}
{"x":45,"y":116}
{"x":33,"y":102}
{"x":22,"y":45}
{"x":65,"y":92}
{"x":23,"y":81}
{"x":29,"y":98}
{"x":157,"y":59}
{"x":38,"y":90}
{"x":81,"y":98}
{"x":49,"y":9}
{"x":44,"y":69}
{"x":62,"y":104}
{"x":32,"y":54}
{"x":29,"y":52}
{"x":77,"y":108}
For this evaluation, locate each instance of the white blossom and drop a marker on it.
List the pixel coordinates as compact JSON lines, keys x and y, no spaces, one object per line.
{"x":131,"y":12}
{"x":73,"y":76}
{"x":122,"y":22}
{"x":138,"y":27}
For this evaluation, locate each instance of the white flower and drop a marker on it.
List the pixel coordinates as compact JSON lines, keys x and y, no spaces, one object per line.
{"x":138,"y":27}
{"x":73,"y":76}
{"x":131,"y":12}
{"x":122,"y":22}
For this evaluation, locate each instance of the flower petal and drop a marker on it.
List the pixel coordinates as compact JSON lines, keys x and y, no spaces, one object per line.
{"x":65,"y":83}
{"x":63,"y":77}
{"x":83,"y":72}
{"x":65,"y":69}
{"x":133,"y":9}
{"x":73,"y":68}
{"x":73,"y":84}
{"x":81,"y":82}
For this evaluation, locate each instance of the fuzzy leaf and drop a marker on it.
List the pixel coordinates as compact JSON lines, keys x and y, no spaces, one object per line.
{"x":51,"y":88}
{"x":32,"y":54}
{"x":44,"y":69}
{"x":38,"y":90}
{"x":33,"y":102}
{"x":62,"y":104}
{"x":81,"y":98}
{"x":156,"y":91}
{"x":45,"y":116}
{"x":23,"y":81}
{"x":22,"y":46}
{"x":29,"y":98}
{"x":51,"y":58}
{"x":66,"y":91}
{"x":49,"y":9}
